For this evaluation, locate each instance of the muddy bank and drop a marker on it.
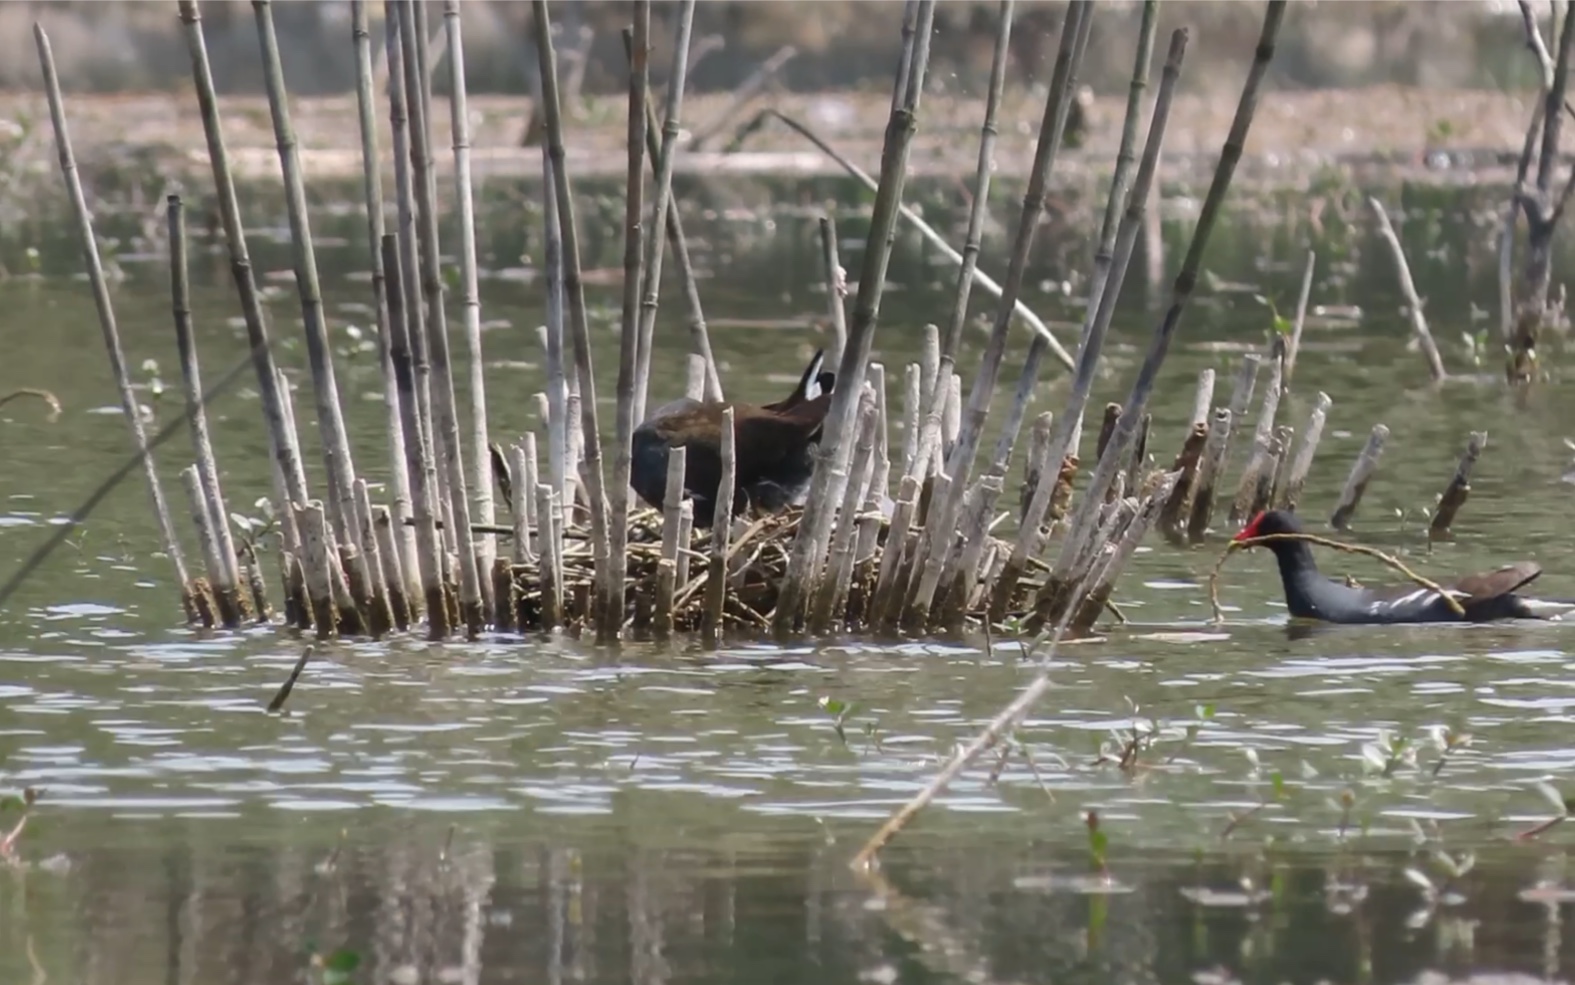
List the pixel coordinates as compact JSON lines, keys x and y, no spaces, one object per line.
{"x":1389,"y":131}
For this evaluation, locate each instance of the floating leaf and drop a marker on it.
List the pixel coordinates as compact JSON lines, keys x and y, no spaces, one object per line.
{"x":1278,"y":782}
{"x":1374,"y":758}
{"x":1418,"y":878}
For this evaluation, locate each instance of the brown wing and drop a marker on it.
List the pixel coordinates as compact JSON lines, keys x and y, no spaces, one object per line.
{"x":1500,"y":581}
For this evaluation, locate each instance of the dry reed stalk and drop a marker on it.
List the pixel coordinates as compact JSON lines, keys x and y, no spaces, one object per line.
{"x":981,"y":279}
{"x":1038,"y":454}
{"x":418,"y":448}
{"x":836,"y":290}
{"x":1111,"y":262}
{"x":408,"y":267}
{"x":892,"y":557}
{"x":372,"y":188}
{"x":385,"y":530}
{"x":835,"y":448}
{"x":1204,"y":398}
{"x":881,"y":479}
{"x":1258,"y":460}
{"x":1210,"y":468}
{"x":201,"y":589}
{"x":721,"y":530}
{"x":549,"y":531}
{"x":839,"y":558}
{"x":651,"y":267}
{"x":742,"y":96}
{"x":1424,"y":338}
{"x":106,"y":317}
{"x":1273,"y":479}
{"x":973,"y":527}
{"x":380,"y":619}
{"x":1186,"y":467}
{"x":1181,"y":292}
{"x":1361,"y":474}
{"x":560,"y":466}
{"x":470,"y":300}
{"x":1094,"y":599}
{"x":699,"y":334}
{"x":338,"y":466}
{"x":445,"y":419}
{"x":959,"y":464}
{"x":1295,"y":345}
{"x":315,"y":531}
{"x":1459,"y":487}
{"x":575,"y":291}
{"x":672,"y":523}
{"x":1301,"y":462}
{"x":225,"y":577}
{"x":631,"y":389}
{"x":912,"y":394}
{"x":289,"y":479}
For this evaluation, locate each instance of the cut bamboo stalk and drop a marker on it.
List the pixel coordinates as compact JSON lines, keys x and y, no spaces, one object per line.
{"x":202,"y":595}
{"x":951,"y":420}
{"x":835,"y":448}
{"x":960,"y":463}
{"x":721,"y":529}
{"x":106,"y":318}
{"x":930,"y":364}
{"x":293,"y":573}
{"x":1204,"y":399}
{"x":339,"y":467}
{"x":262,"y":612}
{"x":1258,"y":461}
{"x":912,"y":394}
{"x":384,"y":531}
{"x":880,"y":482}
{"x":839,"y":560}
{"x":686,"y":529}
{"x":1424,"y":338}
{"x":1459,"y":487}
{"x":631,"y":390}
{"x":470,"y":298}
{"x":1095,"y":600}
{"x":1139,"y":453}
{"x":551,"y":571}
{"x":1187,"y":469}
{"x":1027,"y":379}
{"x":974,"y":527}
{"x":1272,"y":479}
{"x":314,"y":540}
{"x":1107,"y":428}
{"x":1034,"y":464}
{"x":225,"y":577}
{"x":381,"y":616}
{"x":372,"y":186}
{"x":1181,"y":291}
{"x":1301,"y":462}
{"x":892,"y":557}
{"x":526,"y":547}
{"x":1361,"y":474}
{"x":1210,"y":468}
{"x":418,"y":449}
{"x":672,"y":523}
{"x":836,"y":290}
{"x":651,"y":268}
{"x":445,"y":420}
{"x":282,"y":448}
{"x":1301,"y":317}
{"x":581,"y":332}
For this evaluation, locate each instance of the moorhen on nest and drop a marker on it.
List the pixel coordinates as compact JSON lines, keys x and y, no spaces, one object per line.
{"x":1485,"y":596}
{"x":772,"y":460}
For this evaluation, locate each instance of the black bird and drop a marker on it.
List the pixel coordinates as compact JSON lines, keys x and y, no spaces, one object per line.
{"x":771,"y":447}
{"x":1485,"y":596}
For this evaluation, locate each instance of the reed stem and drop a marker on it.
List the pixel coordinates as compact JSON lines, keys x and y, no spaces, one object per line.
{"x":445,"y":415}
{"x":372,"y":185}
{"x":630,"y":386}
{"x":836,"y":444}
{"x":226,"y":577}
{"x":470,"y":299}
{"x":106,"y":316}
{"x":575,"y":290}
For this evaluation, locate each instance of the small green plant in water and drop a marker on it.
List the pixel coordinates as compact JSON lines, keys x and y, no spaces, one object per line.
{"x":1098,"y":844}
{"x":839,"y":711}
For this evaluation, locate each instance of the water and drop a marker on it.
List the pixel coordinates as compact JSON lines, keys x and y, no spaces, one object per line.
{"x":529,"y":810}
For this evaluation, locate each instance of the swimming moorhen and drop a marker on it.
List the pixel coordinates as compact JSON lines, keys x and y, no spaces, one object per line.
{"x":771,"y":445}
{"x":1485,"y":596}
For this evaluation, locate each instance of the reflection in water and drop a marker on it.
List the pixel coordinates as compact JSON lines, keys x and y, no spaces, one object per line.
{"x":239,"y":902}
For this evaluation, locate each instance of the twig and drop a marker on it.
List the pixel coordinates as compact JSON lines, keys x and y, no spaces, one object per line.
{"x":283,"y":693}
{"x":1424,"y":338}
{"x":44,"y":395}
{"x":1396,"y":564}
